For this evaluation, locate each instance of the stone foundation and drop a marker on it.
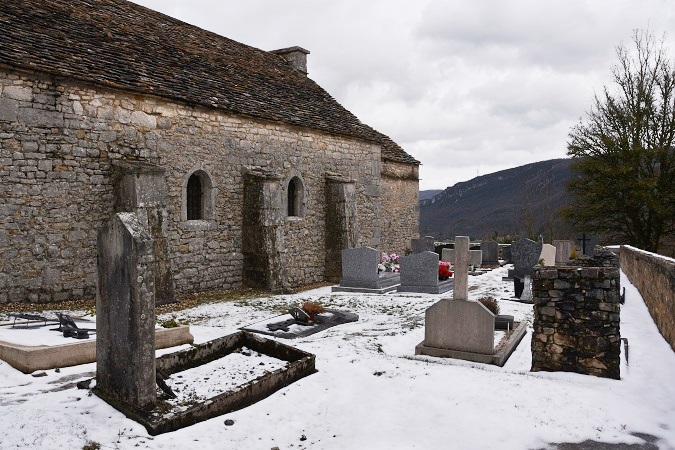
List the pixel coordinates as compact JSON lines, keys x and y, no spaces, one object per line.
{"x":576,"y":320}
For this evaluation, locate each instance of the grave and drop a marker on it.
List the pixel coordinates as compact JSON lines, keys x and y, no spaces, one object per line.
{"x":490,"y":255}
{"x":464,"y":329}
{"x":360,"y":273}
{"x":475,"y":258}
{"x":525,"y":254}
{"x":448,"y":254}
{"x":563,"y":250}
{"x":547,"y":255}
{"x":425,"y":244}
{"x":127,"y":372}
{"x":288,"y":326}
{"x":419,"y":273}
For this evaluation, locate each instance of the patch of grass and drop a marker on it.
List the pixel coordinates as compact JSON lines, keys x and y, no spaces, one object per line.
{"x":91,"y":445}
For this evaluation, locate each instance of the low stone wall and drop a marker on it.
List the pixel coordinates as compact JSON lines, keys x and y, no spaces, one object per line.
{"x":576,"y":320}
{"x":654,"y":276}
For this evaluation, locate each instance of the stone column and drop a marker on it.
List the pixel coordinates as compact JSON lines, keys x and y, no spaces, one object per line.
{"x":341,"y":222}
{"x":263,"y":234}
{"x":140,"y":188}
{"x":461,"y":287}
{"x":125,"y":313}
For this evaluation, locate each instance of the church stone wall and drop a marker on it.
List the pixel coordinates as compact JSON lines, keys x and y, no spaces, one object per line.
{"x":400,"y":206}
{"x":57,"y":141}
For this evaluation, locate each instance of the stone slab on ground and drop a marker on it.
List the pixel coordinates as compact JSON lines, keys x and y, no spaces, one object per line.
{"x":323,"y":321}
{"x":29,"y":358}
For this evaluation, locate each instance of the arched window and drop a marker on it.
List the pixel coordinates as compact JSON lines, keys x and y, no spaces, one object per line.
{"x":295,"y":197}
{"x":198,"y":194}
{"x":195,"y":198}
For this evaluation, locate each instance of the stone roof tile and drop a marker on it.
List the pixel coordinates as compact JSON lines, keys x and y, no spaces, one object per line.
{"x":127,"y":46}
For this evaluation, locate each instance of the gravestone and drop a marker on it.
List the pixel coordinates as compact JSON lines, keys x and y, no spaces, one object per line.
{"x":475,"y":258}
{"x":425,"y":244}
{"x":548,"y":255}
{"x":525,"y":254}
{"x":458,"y":327}
{"x":448,"y":254}
{"x":125,"y":313}
{"x":360,"y":274}
{"x":419,"y":273}
{"x":490,"y":251}
{"x":563,"y":250}
{"x":506,"y":253}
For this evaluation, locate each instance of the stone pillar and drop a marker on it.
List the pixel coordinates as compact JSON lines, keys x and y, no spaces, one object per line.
{"x":461,"y":287}
{"x":263,"y":234}
{"x":125,"y":313}
{"x":341,"y":222}
{"x":140,"y":188}
{"x":576,"y":320}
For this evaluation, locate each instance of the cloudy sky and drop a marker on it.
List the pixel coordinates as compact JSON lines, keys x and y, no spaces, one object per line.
{"x":466,"y":87}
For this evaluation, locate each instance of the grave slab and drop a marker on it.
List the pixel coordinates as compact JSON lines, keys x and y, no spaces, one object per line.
{"x":548,"y":254}
{"x":419,"y":273}
{"x":563,"y":250}
{"x":475,"y":258}
{"x":448,"y":254}
{"x":360,"y":274}
{"x":490,"y":251}
{"x":285,"y":326}
{"x":425,"y":244}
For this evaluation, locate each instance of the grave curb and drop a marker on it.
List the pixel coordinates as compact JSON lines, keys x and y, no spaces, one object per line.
{"x":29,"y":358}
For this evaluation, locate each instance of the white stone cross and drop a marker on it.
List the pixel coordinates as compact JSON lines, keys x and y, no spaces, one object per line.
{"x":461,"y":287}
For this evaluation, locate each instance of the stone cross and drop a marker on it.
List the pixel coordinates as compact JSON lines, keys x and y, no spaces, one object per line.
{"x":461,"y":287}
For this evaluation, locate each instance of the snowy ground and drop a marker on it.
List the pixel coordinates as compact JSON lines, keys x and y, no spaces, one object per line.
{"x":371,"y":392}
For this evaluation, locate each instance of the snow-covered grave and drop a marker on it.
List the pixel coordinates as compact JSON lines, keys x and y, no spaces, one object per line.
{"x":372,"y":392}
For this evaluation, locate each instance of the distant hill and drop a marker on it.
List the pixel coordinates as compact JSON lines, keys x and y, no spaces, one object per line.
{"x":521,"y":201}
{"x":425,"y":195}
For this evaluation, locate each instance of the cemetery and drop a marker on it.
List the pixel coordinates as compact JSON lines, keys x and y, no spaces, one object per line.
{"x":265,"y":361}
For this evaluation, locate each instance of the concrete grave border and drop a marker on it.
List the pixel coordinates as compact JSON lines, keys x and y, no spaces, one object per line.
{"x":29,"y":358}
{"x":498,"y":358}
{"x":301,"y":364}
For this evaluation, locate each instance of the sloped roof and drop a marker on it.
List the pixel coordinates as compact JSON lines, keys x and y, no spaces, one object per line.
{"x":127,"y":46}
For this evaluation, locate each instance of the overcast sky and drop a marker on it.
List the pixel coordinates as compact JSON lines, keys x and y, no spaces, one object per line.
{"x":467,"y":87}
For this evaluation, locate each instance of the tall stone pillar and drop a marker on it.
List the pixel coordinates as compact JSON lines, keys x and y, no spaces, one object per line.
{"x":125,"y":313}
{"x":341,"y":222}
{"x":461,"y":287}
{"x":263,"y":234}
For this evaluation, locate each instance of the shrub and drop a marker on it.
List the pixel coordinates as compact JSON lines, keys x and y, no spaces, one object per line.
{"x":312,"y":309}
{"x":91,"y":445}
{"x":491,"y":304}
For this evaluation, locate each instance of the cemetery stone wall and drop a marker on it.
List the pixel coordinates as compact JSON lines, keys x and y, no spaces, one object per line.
{"x":654,"y":276}
{"x":576,"y":320}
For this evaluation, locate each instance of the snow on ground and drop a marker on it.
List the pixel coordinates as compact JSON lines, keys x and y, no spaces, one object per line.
{"x":372,"y":392}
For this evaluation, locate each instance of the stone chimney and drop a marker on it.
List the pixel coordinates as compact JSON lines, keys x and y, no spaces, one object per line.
{"x":295,"y":56}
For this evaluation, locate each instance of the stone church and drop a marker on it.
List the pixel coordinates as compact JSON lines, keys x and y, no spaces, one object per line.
{"x":259,"y":170}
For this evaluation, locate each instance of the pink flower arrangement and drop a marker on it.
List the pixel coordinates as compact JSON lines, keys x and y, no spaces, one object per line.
{"x":390,"y":261}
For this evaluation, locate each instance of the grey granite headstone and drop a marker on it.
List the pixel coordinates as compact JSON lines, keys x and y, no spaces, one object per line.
{"x":448,"y":255}
{"x":461,"y":287}
{"x":490,"y":251}
{"x":125,"y":313}
{"x":461,"y":325}
{"x":475,"y":258}
{"x":419,"y":273}
{"x":563,"y":250}
{"x":360,"y":274}
{"x":425,"y":244}
{"x":525,"y":254}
